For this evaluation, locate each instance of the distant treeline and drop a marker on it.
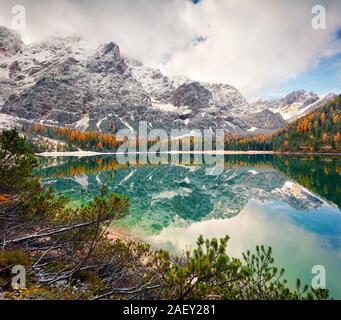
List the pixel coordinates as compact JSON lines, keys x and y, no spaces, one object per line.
{"x":318,"y":131}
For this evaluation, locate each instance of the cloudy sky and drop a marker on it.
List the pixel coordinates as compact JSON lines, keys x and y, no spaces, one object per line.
{"x":265,"y":48}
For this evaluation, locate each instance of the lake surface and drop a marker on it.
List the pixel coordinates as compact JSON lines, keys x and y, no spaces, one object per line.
{"x":291,"y":203}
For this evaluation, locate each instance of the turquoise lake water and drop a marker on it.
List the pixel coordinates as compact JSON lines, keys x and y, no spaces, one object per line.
{"x":291,"y":203}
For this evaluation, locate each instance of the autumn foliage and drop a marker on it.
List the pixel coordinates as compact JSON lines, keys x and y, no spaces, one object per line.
{"x":87,"y":140}
{"x":318,"y":131}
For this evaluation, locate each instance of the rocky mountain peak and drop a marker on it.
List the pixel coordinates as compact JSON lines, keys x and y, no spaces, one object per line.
{"x":301,"y":96}
{"x":112,"y":49}
{"x":293,"y":105}
{"x":10,"y":42}
{"x":193,"y":95}
{"x":108,"y":60}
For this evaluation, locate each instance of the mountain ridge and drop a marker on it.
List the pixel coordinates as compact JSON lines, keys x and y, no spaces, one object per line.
{"x":70,"y":82}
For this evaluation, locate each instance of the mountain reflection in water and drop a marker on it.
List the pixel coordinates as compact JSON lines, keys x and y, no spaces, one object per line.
{"x":168,"y":194}
{"x":288,"y":202}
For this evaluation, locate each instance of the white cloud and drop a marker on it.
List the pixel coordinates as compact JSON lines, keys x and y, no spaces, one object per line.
{"x":294,"y":247}
{"x":253,"y":45}
{"x":145,"y":29}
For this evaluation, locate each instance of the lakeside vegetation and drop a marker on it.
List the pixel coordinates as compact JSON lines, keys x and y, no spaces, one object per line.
{"x":68,"y":253}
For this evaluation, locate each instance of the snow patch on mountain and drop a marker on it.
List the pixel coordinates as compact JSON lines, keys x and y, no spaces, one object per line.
{"x":168,"y":107}
{"x":83,"y":123}
{"x":7,"y":121}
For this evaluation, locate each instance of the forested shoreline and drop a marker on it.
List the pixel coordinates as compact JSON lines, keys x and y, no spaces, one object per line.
{"x":317,"y":132}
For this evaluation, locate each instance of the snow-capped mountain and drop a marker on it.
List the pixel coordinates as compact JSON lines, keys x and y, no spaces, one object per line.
{"x":294,"y":105}
{"x":71,"y":82}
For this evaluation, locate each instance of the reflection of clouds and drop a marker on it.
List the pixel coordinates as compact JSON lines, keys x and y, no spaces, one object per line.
{"x":295,"y":248}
